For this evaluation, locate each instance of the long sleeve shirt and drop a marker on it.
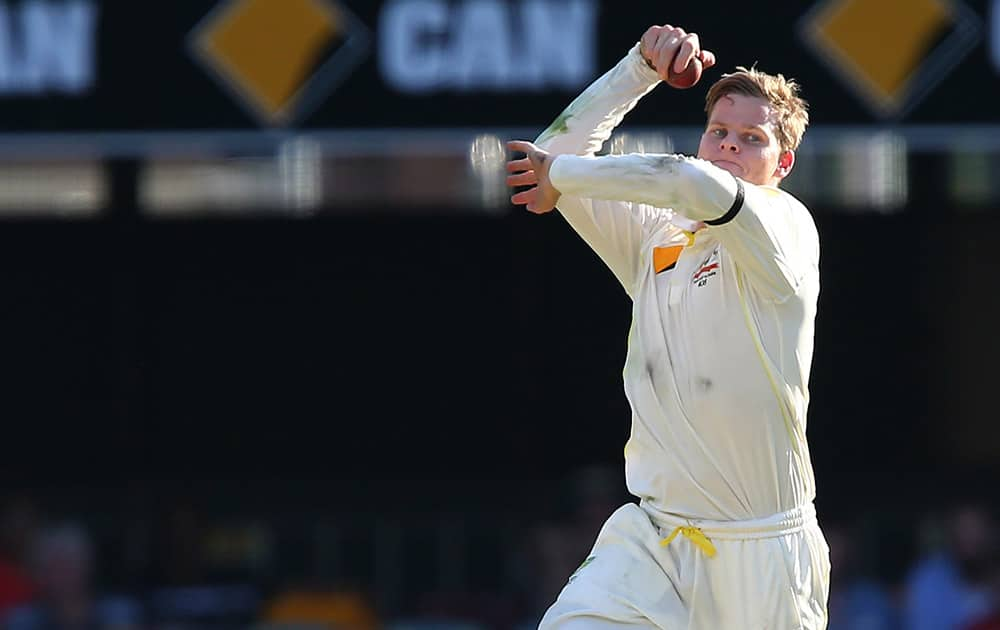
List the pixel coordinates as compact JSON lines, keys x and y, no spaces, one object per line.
{"x":721,"y":340}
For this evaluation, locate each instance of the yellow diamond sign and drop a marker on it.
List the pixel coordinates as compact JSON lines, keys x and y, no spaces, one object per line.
{"x":280,"y":57}
{"x":891,"y":51}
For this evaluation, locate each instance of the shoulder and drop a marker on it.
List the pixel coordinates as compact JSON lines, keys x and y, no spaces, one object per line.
{"x":781,"y":197}
{"x":793,"y":210}
{"x":796,"y":207}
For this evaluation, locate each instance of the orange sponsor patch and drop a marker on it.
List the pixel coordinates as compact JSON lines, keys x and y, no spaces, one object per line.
{"x":665,"y":258}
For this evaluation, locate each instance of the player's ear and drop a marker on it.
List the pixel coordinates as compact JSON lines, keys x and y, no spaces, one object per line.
{"x":785,"y":163}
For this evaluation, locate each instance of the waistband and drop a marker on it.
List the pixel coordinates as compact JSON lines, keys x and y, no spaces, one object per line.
{"x":772,"y":526}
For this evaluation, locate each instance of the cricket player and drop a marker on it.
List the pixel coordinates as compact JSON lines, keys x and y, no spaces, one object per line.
{"x":722,"y":267}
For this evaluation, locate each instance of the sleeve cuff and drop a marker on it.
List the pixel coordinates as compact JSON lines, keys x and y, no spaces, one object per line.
{"x":639,"y":62}
{"x":557,"y":172}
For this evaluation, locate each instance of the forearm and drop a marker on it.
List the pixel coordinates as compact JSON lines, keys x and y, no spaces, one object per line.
{"x":695,"y":188}
{"x":587,"y":123}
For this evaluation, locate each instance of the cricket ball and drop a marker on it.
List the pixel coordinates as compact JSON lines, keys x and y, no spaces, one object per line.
{"x":686,"y":78}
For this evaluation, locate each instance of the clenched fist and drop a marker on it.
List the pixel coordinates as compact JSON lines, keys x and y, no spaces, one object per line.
{"x":662,"y":45}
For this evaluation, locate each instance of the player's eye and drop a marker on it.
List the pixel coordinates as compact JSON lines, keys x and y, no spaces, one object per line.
{"x":718,"y":132}
{"x":753,"y":138}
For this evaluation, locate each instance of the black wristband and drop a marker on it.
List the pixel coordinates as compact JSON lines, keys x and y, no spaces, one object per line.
{"x":734,"y":209}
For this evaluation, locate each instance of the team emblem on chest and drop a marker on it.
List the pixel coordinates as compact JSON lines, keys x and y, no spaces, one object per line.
{"x":707,"y":269}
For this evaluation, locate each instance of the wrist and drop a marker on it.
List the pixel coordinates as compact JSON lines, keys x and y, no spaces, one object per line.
{"x":645,"y":67}
{"x":645,"y":59}
{"x":552,"y":174}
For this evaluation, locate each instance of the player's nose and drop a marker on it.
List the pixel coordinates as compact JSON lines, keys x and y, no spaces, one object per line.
{"x":728,"y":146}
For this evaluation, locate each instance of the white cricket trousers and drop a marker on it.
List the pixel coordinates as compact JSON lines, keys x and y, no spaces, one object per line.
{"x":771,"y":573}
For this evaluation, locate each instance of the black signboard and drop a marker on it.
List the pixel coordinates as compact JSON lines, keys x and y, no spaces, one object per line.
{"x":87,"y":65}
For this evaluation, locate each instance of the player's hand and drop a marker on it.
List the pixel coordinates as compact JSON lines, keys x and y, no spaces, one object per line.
{"x":659,"y":45}
{"x":532,"y":170}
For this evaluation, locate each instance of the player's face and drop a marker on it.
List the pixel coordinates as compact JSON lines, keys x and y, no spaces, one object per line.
{"x":740,"y":139}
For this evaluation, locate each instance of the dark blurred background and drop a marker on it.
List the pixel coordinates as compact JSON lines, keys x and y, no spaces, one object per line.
{"x":277,"y":352}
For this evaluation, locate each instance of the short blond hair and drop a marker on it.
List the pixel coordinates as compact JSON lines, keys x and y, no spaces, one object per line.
{"x":791,"y":112}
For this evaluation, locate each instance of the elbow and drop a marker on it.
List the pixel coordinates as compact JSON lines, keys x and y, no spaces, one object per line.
{"x":708,"y":191}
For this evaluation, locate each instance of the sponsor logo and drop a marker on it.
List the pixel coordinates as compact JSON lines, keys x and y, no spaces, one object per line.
{"x":280,"y":58}
{"x":892,"y":53}
{"x":47,"y":47}
{"x":707,"y":269}
{"x":427,"y":46}
{"x":665,"y":258}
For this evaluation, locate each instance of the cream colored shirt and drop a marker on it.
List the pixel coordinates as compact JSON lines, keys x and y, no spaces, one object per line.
{"x":721,"y":339}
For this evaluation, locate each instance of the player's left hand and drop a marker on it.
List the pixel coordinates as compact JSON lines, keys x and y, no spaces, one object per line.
{"x":532,"y":170}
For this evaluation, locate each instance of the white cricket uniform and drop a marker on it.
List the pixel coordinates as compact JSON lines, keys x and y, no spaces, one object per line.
{"x":716,"y":374}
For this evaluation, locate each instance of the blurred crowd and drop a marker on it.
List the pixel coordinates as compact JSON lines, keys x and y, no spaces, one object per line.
{"x":56,"y":573}
{"x":950,"y":582}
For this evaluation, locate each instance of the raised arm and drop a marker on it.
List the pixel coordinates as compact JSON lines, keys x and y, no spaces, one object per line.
{"x":704,"y":191}
{"x":614,"y":229}
{"x":584,"y":126}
